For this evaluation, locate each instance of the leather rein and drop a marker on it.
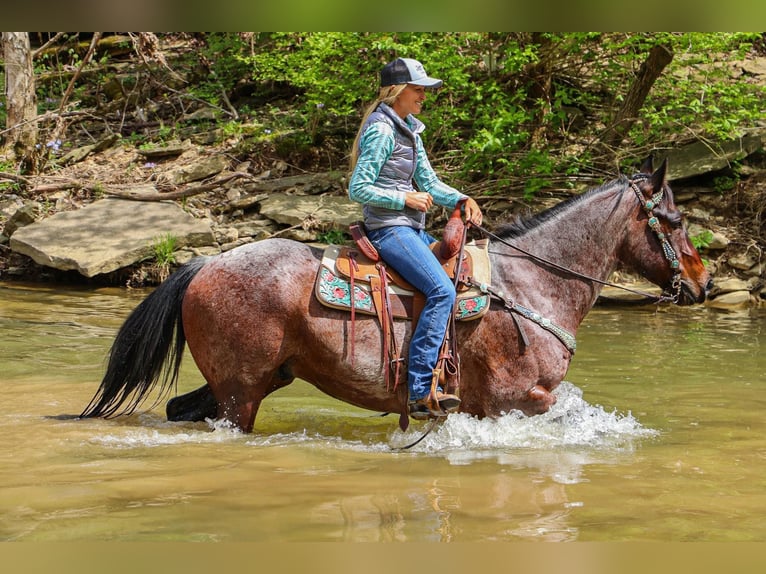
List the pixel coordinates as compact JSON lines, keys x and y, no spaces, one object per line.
{"x":653,"y":222}
{"x":567,"y":338}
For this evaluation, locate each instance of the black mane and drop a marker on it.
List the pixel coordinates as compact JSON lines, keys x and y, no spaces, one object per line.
{"x":522,"y":225}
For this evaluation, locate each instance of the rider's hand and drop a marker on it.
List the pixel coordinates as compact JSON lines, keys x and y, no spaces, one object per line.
{"x":419,"y":200}
{"x":472,"y":212}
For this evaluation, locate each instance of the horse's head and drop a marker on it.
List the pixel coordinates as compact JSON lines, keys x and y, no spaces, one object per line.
{"x":660,"y":248}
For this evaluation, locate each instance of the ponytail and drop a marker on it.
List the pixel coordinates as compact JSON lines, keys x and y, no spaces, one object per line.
{"x":386,"y":95}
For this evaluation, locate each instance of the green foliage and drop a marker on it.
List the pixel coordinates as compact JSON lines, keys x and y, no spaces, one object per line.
{"x":332,"y":236}
{"x":517,"y":109}
{"x":698,"y":95}
{"x":163,"y":250}
{"x":8,"y":167}
{"x":724,"y":183}
{"x":702,"y":239}
{"x":511,"y":100}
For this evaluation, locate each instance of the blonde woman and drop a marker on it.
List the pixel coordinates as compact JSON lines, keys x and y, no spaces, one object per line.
{"x":393,"y":179}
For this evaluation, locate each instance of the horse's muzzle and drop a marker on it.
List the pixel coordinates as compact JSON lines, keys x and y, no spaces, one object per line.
{"x":692,"y":294}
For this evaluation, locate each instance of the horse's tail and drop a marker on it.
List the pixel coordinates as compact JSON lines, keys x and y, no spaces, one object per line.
{"x":143,"y":352}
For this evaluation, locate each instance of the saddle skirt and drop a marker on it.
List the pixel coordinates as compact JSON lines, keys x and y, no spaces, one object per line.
{"x":334,"y":279}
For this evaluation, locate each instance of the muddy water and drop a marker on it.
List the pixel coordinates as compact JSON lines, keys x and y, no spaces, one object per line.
{"x":658,"y":434}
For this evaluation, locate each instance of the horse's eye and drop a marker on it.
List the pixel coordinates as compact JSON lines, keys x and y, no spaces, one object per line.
{"x":675,"y":220}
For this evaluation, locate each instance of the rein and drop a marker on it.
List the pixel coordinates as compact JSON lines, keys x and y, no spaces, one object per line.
{"x":653,"y":223}
{"x":566,"y":338}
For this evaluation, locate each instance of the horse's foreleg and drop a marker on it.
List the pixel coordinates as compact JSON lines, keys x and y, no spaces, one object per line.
{"x":536,"y":401}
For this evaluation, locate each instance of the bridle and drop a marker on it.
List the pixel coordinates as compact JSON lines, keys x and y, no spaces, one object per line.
{"x":674,"y":291}
{"x":670,"y":294}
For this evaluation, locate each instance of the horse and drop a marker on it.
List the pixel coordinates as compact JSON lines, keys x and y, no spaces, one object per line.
{"x":253,"y":324}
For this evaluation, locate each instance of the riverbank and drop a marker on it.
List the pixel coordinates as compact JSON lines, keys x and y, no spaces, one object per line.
{"x":243,"y":182}
{"x":238,"y":206}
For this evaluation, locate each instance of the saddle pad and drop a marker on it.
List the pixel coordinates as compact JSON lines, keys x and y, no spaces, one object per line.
{"x":333,"y":290}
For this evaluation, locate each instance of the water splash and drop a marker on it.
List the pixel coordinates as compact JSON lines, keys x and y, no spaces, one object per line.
{"x":154,"y":432}
{"x":571,"y":422}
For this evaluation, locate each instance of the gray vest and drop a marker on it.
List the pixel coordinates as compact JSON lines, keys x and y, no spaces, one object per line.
{"x":397,"y":172}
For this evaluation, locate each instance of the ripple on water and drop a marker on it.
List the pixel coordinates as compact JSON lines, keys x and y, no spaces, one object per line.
{"x":571,"y":422}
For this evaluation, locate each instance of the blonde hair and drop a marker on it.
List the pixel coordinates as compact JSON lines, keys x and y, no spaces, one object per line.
{"x":386,"y":95}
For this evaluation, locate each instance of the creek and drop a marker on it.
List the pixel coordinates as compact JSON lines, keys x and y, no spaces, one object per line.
{"x":658,"y":435}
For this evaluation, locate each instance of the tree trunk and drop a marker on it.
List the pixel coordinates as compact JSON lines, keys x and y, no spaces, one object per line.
{"x":659,"y":57}
{"x":21,"y":101}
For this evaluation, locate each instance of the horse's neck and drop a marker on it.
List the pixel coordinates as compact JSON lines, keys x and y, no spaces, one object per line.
{"x":584,"y":238}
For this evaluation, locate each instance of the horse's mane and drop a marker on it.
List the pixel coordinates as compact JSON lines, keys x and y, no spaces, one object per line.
{"x":522,"y":225}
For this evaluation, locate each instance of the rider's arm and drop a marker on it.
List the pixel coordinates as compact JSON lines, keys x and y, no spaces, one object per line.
{"x":376,"y":145}
{"x":427,"y":180}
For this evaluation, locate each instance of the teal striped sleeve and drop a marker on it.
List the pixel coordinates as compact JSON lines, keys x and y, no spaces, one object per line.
{"x":427,"y":180}
{"x":376,"y":146}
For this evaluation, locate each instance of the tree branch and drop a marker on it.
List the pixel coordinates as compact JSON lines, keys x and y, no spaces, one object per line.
{"x":659,"y":57}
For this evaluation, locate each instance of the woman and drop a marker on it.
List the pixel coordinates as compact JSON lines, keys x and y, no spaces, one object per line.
{"x":393,"y":179}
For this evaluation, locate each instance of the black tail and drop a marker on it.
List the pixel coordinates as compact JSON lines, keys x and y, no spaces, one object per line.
{"x":143,"y":352}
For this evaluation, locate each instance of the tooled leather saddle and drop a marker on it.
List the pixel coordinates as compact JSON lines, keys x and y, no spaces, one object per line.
{"x":354,"y":278}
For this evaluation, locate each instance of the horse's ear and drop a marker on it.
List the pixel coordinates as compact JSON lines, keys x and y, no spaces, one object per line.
{"x":648,"y":165}
{"x":658,"y":177}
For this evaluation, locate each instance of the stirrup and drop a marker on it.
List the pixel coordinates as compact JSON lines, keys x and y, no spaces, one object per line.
{"x":436,"y":404}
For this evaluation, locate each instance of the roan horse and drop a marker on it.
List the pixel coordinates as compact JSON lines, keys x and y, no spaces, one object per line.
{"x":253,"y":324}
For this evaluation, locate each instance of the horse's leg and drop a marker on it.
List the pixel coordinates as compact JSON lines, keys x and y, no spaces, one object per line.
{"x":536,"y":401}
{"x":198,"y":405}
{"x":239,"y":401}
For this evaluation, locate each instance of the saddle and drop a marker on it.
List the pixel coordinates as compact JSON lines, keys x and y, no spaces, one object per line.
{"x":343,"y":264}
{"x":357,"y":280}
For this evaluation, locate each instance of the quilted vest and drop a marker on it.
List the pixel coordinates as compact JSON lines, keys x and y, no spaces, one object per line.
{"x":397,"y":172}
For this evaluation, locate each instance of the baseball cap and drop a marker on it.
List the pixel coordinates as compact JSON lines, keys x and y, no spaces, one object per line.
{"x":406,"y":71}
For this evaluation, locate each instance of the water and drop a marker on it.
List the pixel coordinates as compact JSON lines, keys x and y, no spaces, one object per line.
{"x":658,"y":434}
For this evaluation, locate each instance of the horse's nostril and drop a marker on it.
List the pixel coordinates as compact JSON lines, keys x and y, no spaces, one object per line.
{"x":709,"y":285}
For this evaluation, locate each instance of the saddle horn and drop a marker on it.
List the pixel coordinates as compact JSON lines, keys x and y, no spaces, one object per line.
{"x":453,"y":235}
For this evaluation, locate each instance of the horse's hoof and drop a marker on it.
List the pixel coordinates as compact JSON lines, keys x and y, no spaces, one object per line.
{"x":538,"y":401}
{"x":194,"y":406}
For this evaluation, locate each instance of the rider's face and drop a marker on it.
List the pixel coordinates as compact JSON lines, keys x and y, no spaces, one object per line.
{"x":410,"y":101}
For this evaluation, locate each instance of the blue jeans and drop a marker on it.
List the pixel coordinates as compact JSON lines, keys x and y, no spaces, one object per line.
{"x":406,"y":250}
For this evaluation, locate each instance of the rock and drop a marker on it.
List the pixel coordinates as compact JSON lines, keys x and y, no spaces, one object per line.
{"x":167,"y":149}
{"x":718,"y":241}
{"x":9,"y":203}
{"x":226,"y":234}
{"x":303,"y":184}
{"x":300,"y":235}
{"x":234,"y":244}
{"x":201,"y":115}
{"x":756,"y":270}
{"x":107,"y":235}
{"x":258,"y":228}
{"x":22,"y":217}
{"x":698,"y":158}
{"x":743,"y":261}
{"x":615,"y":295}
{"x":323,"y":210}
{"x":733,"y":299}
{"x":728,"y":285}
{"x":755,"y":66}
{"x":200,"y":169}
{"x":246,"y":202}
